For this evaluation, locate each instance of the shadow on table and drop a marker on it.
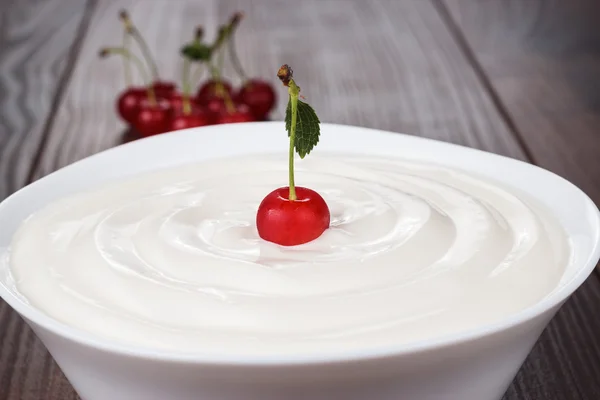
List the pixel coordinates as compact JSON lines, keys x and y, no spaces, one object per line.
{"x":128,"y":135}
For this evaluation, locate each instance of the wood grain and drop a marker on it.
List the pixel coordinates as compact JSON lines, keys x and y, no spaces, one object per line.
{"x":389,"y":64}
{"x":38,"y":44}
{"x":383,"y":64}
{"x":36,"y":38}
{"x":541,"y":60}
{"x":542,"y":57}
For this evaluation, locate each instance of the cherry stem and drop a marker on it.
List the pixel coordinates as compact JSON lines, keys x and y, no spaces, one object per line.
{"x":126,"y":22}
{"x":220,"y":62}
{"x":187,"y":105}
{"x":220,"y":88}
{"x":139,"y":64}
{"x":214,"y":73}
{"x":294,"y":91}
{"x":229,"y":106}
{"x":126,"y":63}
{"x":237,"y":65}
{"x":215,"y":70}
{"x":133,"y":31}
{"x":197,"y":74}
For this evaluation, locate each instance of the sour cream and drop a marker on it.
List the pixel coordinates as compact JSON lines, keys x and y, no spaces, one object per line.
{"x":172,"y":260}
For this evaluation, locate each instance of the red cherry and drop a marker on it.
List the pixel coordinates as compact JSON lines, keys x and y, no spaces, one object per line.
{"x":208,"y":91}
{"x":129,"y":102}
{"x":218,"y":109}
{"x":292,"y":222}
{"x":241,"y":114}
{"x":176,"y":101}
{"x":216,"y":106}
{"x":153,"y":119}
{"x":163,"y":89}
{"x":195,"y":119}
{"x":259,"y":96}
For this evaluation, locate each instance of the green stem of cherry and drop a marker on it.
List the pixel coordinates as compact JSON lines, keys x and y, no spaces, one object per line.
{"x":216,"y":70}
{"x":228,"y":40}
{"x":187,"y":105}
{"x":137,"y":36}
{"x":237,"y":65}
{"x":294,"y":91}
{"x":138,"y":63}
{"x":220,"y":88}
{"x":124,"y":18}
{"x":197,"y":74}
{"x":126,"y":63}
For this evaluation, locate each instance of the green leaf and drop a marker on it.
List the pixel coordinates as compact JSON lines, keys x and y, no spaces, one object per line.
{"x":196,"y":52}
{"x":307,"y":127}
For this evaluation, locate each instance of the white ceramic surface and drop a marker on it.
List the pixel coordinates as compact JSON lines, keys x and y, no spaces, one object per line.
{"x":477,"y":365}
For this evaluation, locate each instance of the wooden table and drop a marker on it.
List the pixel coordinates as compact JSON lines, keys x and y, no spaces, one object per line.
{"x":515,"y":77}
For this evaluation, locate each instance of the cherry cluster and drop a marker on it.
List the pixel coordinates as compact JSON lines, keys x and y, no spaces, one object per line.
{"x":159,"y":106}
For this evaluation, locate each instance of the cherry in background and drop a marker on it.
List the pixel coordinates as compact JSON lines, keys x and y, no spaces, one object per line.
{"x":148,"y":115}
{"x":128,"y":103}
{"x":176,"y":100}
{"x":153,"y":118}
{"x":209,"y":90}
{"x":164,"y":89}
{"x":215,"y":102}
{"x":161,"y":88}
{"x":259,"y":96}
{"x":193,"y":120}
{"x":223,"y":114}
{"x":241,"y":113}
{"x":187,"y":113}
{"x":195,"y":117}
{"x":216,"y":107}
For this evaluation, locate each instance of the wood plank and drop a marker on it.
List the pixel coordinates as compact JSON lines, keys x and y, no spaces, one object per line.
{"x":38,"y":44}
{"x":541,"y":59}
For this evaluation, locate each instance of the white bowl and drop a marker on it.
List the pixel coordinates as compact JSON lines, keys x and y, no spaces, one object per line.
{"x":474,"y":365}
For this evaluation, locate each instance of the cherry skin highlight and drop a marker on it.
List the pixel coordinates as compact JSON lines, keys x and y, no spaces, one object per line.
{"x":176,"y":101}
{"x":292,"y":222}
{"x":216,"y":107}
{"x":259,"y":96}
{"x":192,"y":120}
{"x":128,"y":103}
{"x":153,"y":119}
{"x":209,"y":91}
{"x":241,"y":114}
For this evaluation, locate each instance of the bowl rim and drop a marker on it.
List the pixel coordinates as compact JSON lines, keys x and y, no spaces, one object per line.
{"x":81,"y":337}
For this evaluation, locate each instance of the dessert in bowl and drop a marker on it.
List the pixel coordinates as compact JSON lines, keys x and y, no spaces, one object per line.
{"x":142,"y":270}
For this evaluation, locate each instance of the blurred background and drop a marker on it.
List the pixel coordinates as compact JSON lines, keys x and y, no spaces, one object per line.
{"x":515,"y":77}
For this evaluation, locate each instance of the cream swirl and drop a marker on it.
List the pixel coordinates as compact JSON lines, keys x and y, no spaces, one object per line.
{"x":172,"y":259}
